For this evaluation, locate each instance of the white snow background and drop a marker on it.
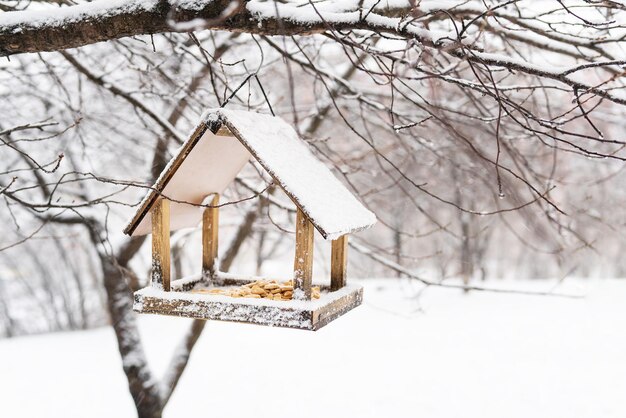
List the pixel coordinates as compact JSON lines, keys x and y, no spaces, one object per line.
{"x":480,"y":355}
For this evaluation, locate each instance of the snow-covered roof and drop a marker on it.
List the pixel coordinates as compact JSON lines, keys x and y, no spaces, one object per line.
{"x":208,"y":162}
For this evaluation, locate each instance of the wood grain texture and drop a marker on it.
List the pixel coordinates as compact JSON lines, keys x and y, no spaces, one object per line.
{"x":303,"y":260}
{"x":286,"y":314}
{"x":210,"y":227}
{"x":337,"y":308}
{"x":224,"y":131}
{"x":338,"y":262}
{"x":161,"y":244}
{"x":165,"y":177}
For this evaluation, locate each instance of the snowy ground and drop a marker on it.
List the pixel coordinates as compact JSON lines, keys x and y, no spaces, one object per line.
{"x":482,"y":355}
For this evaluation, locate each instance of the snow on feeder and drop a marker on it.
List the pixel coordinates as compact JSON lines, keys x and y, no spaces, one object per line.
{"x":205,"y":165}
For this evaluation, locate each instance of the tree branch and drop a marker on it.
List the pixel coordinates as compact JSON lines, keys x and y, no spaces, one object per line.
{"x":102,"y":20}
{"x":396,"y":267}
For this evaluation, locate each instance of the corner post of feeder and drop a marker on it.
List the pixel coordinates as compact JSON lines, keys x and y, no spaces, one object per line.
{"x":338,"y":262}
{"x":210,"y":224}
{"x":303,"y":262}
{"x":161,"y":244}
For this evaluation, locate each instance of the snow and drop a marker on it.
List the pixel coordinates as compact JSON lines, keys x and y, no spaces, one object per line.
{"x":324,"y":200}
{"x":215,"y":160}
{"x":309,"y":14}
{"x":338,"y":12}
{"x":60,"y":16}
{"x":345,"y":11}
{"x":370,"y":14}
{"x":471,"y":356}
{"x":304,"y":13}
{"x":211,"y":166}
{"x":295,"y":313}
{"x":324,"y":299}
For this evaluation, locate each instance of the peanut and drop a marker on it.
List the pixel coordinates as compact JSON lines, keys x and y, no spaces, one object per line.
{"x":257,"y":290}
{"x":261,"y":289}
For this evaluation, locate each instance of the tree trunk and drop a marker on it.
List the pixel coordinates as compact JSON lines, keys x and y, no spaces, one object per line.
{"x":142,"y":385}
{"x":143,"y":388}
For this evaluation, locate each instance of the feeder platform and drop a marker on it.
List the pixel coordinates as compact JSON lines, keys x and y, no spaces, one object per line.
{"x":300,"y":314}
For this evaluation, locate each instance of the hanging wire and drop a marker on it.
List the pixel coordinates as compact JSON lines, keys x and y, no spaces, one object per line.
{"x":247,"y":79}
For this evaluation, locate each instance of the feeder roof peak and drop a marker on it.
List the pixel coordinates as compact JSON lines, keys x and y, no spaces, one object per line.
{"x":216,"y":152}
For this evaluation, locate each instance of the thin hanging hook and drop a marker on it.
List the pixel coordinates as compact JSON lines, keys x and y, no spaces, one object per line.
{"x":247,"y":79}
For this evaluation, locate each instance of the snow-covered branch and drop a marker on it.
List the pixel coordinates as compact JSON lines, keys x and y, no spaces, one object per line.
{"x":69,"y":27}
{"x":437,"y":25}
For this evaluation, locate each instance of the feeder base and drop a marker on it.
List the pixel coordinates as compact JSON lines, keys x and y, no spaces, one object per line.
{"x":308,"y":315}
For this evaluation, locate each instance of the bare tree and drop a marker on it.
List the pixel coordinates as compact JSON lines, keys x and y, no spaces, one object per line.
{"x":462,"y":124}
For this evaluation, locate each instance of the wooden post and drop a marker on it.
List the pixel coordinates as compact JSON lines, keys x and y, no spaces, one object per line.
{"x":210,"y":223}
{"x":338,"y":262}
{"x":161,"y":244}
{"x":303,"y":262}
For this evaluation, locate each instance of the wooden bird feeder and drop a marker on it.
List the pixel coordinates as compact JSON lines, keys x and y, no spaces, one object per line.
{"x":204,"y":166}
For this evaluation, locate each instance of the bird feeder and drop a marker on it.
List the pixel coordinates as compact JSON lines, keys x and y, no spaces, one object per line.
{"x":187,"y":194}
